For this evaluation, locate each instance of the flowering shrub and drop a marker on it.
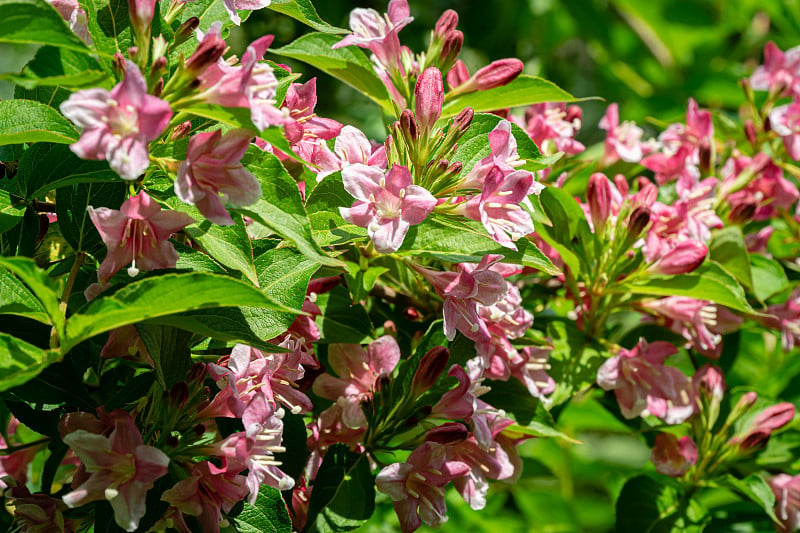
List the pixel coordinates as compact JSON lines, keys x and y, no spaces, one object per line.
{"x":222,"y":312}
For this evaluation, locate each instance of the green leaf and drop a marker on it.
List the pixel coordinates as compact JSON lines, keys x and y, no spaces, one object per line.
{"x":73,"y":217}
{"x":162,"y":295}
{"x":303,"y":11}
{"x":169,"y":348}
{"x":281,"y":207}
{"x":11,"y":211}
{"x":45,"y":167}
{"x":525,"y":90}
{"x":341,"y":321}
{"x":360,"y":281}
{"x":327,"y":225}
{"x":728,"y":248}
{"x":756,"y":489}
{"x":79,"y":80}
{"x":26,"y":121}
{"x":349,"y":64}
{"x":770,"y":275}
{"x":39,"y":284}
{"x":574,"y":360}
{"x":474,"y":145}
{"x":36,"y":22}
{"x":16,"y":299}
{"x":649,"y":506}
{"x":467,"y":241}
{"x":230,"y":245}
{"x":267,"y":515}
{"x":20,"y":361}
{"x":709,"y":282}
{"x":569,"y":232}
{"x":343,"y":495}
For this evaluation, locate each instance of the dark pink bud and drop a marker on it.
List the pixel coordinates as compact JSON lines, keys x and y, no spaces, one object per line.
{"x":774,"y":417}
{"x":181,"y":130}
{"x":709,"y":383}
{"x":450,"y":49}
{"x":742,"y":213}
{"x":446,"y":23}
{"x":457,"y":75}
{"x":598,"y":196}
{"x":448,"y":434}
{"x":673,"y":456}
{"x":197,"y":372}
{"x":685,"y":257}
{"x":429,"y":97}
{"x":186,"y":30}
{"x":430,"y":368}
{"x":408,"y":126}
{"x":159,"y":87}
{"x":412,"y":314}
{"x":497,"y":74}
{"x":141,"y":12}
{"x":574,"y":113}
{"x":206,"y":54}
{"x":119,"y":64}
{"x":750,"y":132}
{"x":323,"y":285}
{"x":637,"y":222}
{"x":463,"y":120}
{"x":179,"y":393}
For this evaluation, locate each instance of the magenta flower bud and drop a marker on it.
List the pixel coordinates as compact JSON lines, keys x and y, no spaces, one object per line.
{"x":408,"y":126}
{"x":450,"y":49}
{"x":673,"y":456}
{"x":119,"y":64}
{"x":750,"y":132}
{"x":181,"y":130}
{"x":598,"y":196}
{"x":141,"y":12}
{"x":497,"y":74}
{"x":446,"y":23}
{"x":742,"y":213}
{"x":574,"y":113}
{"x":685,"y":257}
{"x":774,"y":417}
{"x":431,"y":366}
{"x":448,"y":434}
{"x":429,"y":98}
{"x":463,"y":120}
{"x":637,"y":222}
{"x":207,"y":53}
{"x":186,"y":30}
{"x":458,"y":74}
{"x":709,"y":383}
{"x":179,"y":394}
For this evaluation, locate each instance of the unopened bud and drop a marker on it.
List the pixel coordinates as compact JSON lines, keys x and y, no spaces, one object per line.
{"x":448,"y":434}
{"x":412,"y":314}
{"x":742,"y":213}
{"x":753,"y":441}
{"x":457,"y":75}
{"x":207,"y":53}
{"x":141,"y":12}
{"x":429,"y":98}
{"x":598,"y":196}
{"x":390,"y":328}
{"x":451,"y":47}
{"x":744,"y":404}
{"x":185,"y":30}
{"x":159,"y":64}
{"x":673,"y":456}
{"x":497,"y":74}
{"x":159,"y":87}
{"x":637,"y":222}
{"x":705,"y":157}
{"x":408,"y":127}
{"x":382,"y":382}
{"x":323,"y":285}
{"x":181,"y":130}
{"x":173,"y":441}
{"x":463,"y":120}
{"x":774,"y":417}
{"x":119,"y":64}
{"x":133,"y":51}
{"x":750,"y":132}
{"x":685,"y":257}
{"x":709,"y":387}
{"x":431,"y":366}
{"x":179,"y":393}
{"x":446,"y":23}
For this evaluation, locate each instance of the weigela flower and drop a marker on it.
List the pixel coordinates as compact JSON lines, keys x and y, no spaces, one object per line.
{"x":351,"y":147}
{"x":767,"y":191}
{"x":139,"y":234}
{"x":37,"y":513}
{"x":386,"y":204}
{"x":428,"y":98}
{"x":623,"y":141}
{"x":72,"y":12}
{"x":495,"y":74}
{"x":779,"y":73}
{"x":15,"y":465}
{"x":118,"y":125}
{"x":205,"y":493}
{"x":553,"y":126}
{"x":416,"y":487}
{"x":213,"y":175}
{"x":785,"y":121}
{"x":787,"y":501}
{"x":503,"y":155}
{"x":120,"y":468}
{"x":786,"y":318}
{"x":379,"y":33}
{"x":644,"y":386}
{"x":358,"y":371}
{"x":304,"y":129}
{"x":673,"y":456}
{"x":231,"y":6}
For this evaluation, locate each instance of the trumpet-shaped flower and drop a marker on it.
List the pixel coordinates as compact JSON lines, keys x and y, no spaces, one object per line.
{"x":138,"y":233}
{"x":787,"y":501}
{"x":379,"y":33}
{"x":673,"y":456}
{"x":120,"y":468}
{"x":387,"y":205}
{"x":118,"y":125}
{"x":213,"y":174}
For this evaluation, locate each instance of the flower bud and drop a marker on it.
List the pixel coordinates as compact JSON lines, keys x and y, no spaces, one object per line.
{"x":429,"y":98}
{"x":412,"y":314}
{"x":431,"y":366}
{"x":742,"y":213}
{"x":450,"y":49}
{"x":709,"y":387}
{"x":457,"y":75}
{"x":181,"y":130}
{"x":598,"y":196}
{"x":744,"y":404}
{"x":637,"y":222}
{"x":185,"y":30}
{"x":673,"y":456}
{"x":141,"y":12}
{"x":463,"y":120}
{"x":750,"y":132}
{"x":774,"y":417}
{"x":119,"y":64}
{"x":179,"y":393}
{"x":408,"y":127}
{"x":685,"y":257}
{"x":497,"y":74}
{"x":206,"y":54}
{"x":448,"y":434}
{"x":446,"y":23}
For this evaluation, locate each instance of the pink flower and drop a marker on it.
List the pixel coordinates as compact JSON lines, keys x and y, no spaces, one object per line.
{"x":351,"y":147}
{"x":463,"y":291}
{"x":785,"y":120}
{"x":553,"y":126}
{"x":417,"y":486}
{"x":205,"y":492}
{"x":254,"y":451}
{"x":247,"y":5}
{"x":121,"y":470}
{"x":498,"y":209}
{"x":673,"y":456}
{"x":72,"y":12}
{"x":682,"y":258}
{"x":37,"y":513}
{"x":15,"y":465}
{"x":787,"y":501}
{"x":379,"y":33}
{"x":786,"y":317}
{"x":623,"y":141}
{"x":118,"y":125}
{"x":503,"y":155}
{"x":358,"y":372}
{"x":212,"y":168}
{"x":387,"y":205}
{"x":779,"y":73}
{"x":139,"y":234}
{"x":495,"y":74}
{"x":303,"y":126}
{"x":644,"y":386}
